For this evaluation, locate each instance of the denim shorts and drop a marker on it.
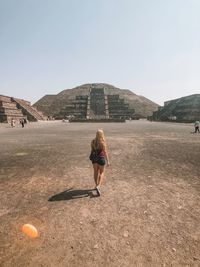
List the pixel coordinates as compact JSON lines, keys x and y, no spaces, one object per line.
{"x":101,"y":161}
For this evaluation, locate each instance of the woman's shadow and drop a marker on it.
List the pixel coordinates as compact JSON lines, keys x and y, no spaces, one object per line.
{"x":73,"y":194}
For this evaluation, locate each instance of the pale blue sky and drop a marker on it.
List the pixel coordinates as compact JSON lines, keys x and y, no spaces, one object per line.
{"x":151,"y":47}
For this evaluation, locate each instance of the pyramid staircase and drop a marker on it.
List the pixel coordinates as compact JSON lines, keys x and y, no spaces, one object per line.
{"x":102,"y":106}
{"x":31,"y":112}
{"x":97,"y":106}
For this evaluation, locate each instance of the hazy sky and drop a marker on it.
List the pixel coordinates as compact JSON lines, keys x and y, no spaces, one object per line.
{"x":151,"y":47}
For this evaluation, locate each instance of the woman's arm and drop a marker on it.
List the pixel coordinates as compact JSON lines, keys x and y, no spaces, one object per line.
{"x":92,"y":145}
{"x":106,"y":154}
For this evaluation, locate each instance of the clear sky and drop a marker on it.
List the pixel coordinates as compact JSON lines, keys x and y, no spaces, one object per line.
{"x":151,"y":47}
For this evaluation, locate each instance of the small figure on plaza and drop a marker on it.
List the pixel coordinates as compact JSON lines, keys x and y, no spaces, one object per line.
{"x":22,"y":122}
{"x":196,"y":126}
{"x":12,"y":122}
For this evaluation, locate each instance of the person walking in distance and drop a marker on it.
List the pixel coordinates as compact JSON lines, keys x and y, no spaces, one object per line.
{"x":99,"y":158}
{"x":196,"y":126}
{"x":22,"y":122}
{"x":12,"y":123}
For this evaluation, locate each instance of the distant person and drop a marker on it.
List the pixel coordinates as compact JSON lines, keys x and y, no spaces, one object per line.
{"x":22,"y":123}
{"x":196,"y":126}
{"x":99,"y":158}
{"x":12,"y":123}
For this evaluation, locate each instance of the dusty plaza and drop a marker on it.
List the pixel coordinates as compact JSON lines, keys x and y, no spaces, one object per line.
{"x":148,"y":213}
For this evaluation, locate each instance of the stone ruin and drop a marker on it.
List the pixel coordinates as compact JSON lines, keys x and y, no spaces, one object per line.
{"x":97,"y":105}
{"x":14,"y":108}
{"x":96,"y":102}
{"x":184,"y":109}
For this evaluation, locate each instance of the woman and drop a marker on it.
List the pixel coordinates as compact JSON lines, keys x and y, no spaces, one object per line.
{"x":99,"y":157}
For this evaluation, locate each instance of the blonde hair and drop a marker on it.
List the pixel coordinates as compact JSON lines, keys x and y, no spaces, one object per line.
{"x":99,"y":142}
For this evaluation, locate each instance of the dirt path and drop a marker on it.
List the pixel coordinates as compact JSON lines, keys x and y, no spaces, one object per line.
{"x":148,"y":214}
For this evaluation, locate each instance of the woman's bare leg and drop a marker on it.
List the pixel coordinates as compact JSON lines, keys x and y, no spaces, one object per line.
{"x":96,"y":173}
{"x":101,"y":171}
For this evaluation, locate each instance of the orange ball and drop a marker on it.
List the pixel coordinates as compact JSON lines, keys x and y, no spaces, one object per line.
{"x":30,"y":230}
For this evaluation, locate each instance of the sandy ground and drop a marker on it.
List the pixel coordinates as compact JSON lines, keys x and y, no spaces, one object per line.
{"x":148,"y":213}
